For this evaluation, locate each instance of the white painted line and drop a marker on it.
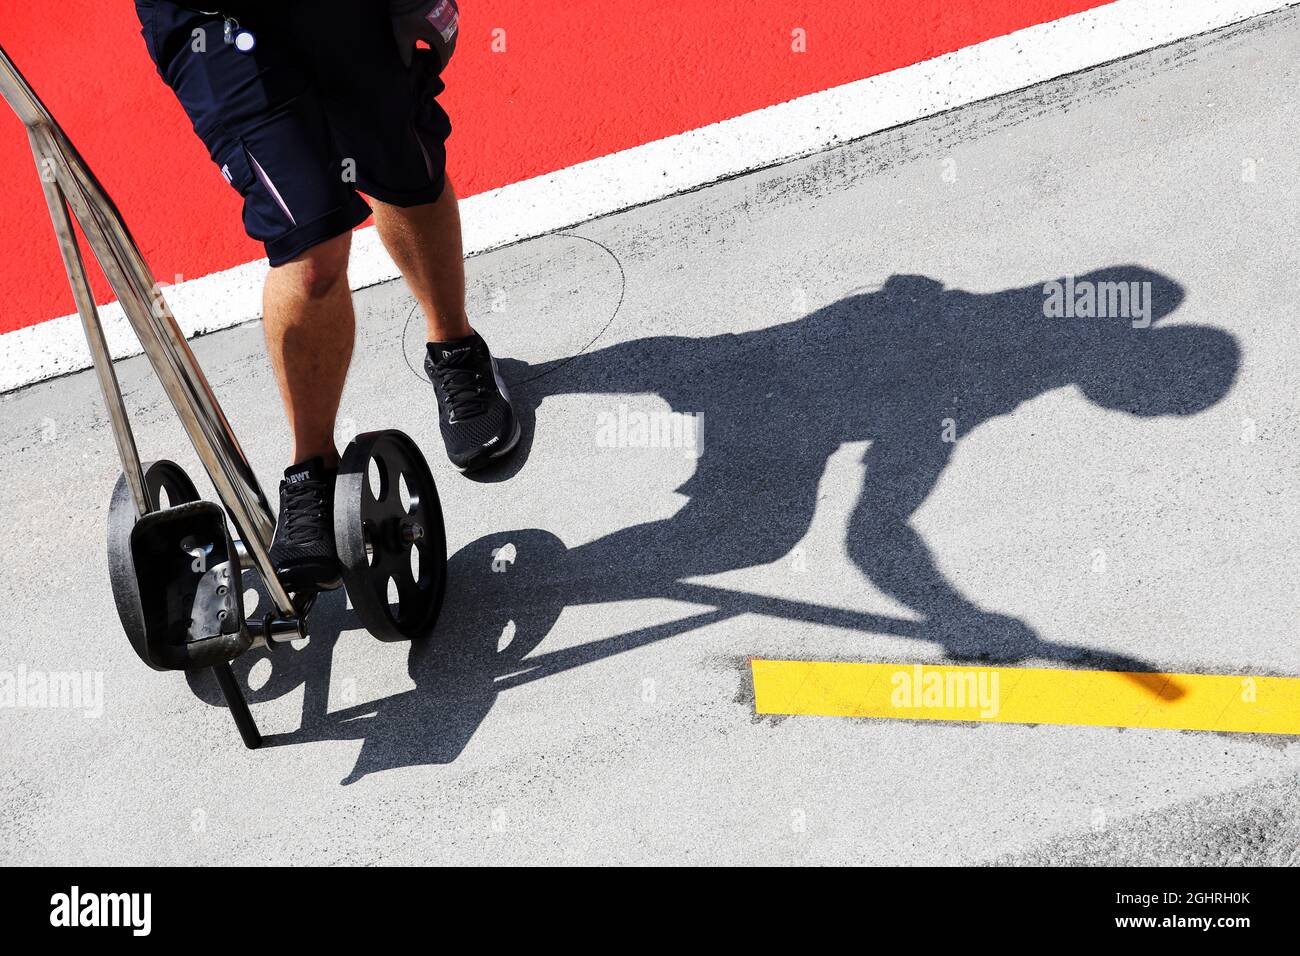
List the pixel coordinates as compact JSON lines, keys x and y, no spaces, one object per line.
{"x":686,"y":161}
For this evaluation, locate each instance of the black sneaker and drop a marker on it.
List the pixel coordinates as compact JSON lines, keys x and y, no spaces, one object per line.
{"x":478,"y":425}
{"x":303,"y":551}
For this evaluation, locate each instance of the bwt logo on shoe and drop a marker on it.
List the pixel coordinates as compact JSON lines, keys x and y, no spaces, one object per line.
{"x":77,"y":909}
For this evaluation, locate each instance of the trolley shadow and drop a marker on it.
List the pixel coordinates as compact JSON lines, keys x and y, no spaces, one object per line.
{"x":887,"y":368}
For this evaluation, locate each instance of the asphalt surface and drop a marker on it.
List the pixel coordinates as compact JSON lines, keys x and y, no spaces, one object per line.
{"x":1113,"y":496}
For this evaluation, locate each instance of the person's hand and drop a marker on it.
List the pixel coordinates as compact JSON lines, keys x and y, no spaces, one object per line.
{"x":433,"y":21}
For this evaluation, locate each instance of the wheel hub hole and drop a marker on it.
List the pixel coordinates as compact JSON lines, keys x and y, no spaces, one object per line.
{"x":394,"y":599}
{"x":410,"y":500}
{"x":415,"y":565}
{"x":377,"y":478}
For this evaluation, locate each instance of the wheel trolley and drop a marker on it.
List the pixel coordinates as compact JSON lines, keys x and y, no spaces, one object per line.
{"x":177,"y":563}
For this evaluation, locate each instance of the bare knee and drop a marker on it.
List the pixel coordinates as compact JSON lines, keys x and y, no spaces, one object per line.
{"x":317,"y":272}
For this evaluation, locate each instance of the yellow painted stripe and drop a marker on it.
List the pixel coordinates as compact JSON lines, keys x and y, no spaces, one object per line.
{"x":1028,"y":695}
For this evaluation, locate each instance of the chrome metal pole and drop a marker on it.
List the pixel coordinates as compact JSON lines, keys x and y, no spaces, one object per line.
{"x":161,"y":338}
{"x":19,"y":95}
{"x":100,"y":355}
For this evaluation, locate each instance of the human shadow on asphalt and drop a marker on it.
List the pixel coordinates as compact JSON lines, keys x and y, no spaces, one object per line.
{"x":910,"y":369}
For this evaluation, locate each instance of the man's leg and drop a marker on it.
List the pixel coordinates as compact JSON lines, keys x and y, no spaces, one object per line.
{"x":425,"y":243}
{"x":309,"y":326}
{"x":264,"y":125}
{"x":385,"y":120}
{"x":474,"y":415}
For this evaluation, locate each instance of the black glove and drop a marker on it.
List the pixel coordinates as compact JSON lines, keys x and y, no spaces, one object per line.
{"x":433,"y":21}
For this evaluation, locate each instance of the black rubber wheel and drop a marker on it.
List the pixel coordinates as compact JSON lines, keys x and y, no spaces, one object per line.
{"x":390,"y":536}
{"x":166,"y":485}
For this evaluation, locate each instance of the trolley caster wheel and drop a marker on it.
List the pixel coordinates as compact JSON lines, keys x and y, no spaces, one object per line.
{"x":166,"y":486}
{"x":389,"y":532}
{"x":175,"y":577}
{"x":175,"y":573}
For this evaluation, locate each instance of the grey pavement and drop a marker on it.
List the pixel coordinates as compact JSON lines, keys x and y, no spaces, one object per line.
{"x":1115,"y":497}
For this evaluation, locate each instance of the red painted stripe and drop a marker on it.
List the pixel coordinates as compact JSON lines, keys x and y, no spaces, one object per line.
{"x":576,"y":79}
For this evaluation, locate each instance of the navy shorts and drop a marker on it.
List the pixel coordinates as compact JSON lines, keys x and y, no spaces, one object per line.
{"x":321,"y":109}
